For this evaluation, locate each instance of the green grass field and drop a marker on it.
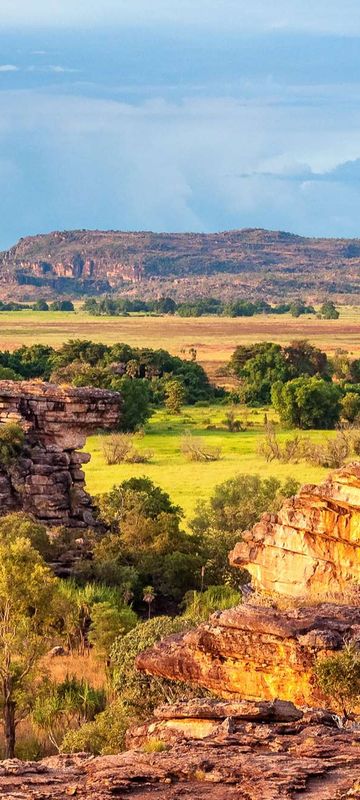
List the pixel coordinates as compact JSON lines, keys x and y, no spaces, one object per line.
{"x":188,"y":482}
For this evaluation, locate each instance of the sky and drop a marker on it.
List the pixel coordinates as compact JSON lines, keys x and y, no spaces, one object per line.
{"x":174,"y":115}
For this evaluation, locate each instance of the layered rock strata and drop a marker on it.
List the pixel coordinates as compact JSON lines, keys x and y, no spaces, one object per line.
{"x":259,"y":760}
{"x":255,"y":652}
{"x":312,"y":546}
{"x":47,"y":480}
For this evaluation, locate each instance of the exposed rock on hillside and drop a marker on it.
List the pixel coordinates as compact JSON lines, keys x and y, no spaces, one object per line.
{"x":312,"y":546}
{"x":254,"y":263}
{"x":258,"y":761}
{"x":47,"y":480}
{"x":255,"y":652}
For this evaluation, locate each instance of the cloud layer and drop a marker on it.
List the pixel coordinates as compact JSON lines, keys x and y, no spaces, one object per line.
{"x":259,"y":15}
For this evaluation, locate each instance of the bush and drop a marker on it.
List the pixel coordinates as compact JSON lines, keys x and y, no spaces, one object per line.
{"x":118,"y":448}
{"x":200,"y":605}
{"x":194,"y":449}
{"x":12,"y":438}
{"x":338,"y":676}
{"x":350,"y":406}
{"x":307,"y":403}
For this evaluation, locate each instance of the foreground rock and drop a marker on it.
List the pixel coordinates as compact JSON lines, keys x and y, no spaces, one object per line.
{"x":283,"y":761}
{"x":47,"y":480}
{"x":255,"y":652}
{"x":312,"y":546}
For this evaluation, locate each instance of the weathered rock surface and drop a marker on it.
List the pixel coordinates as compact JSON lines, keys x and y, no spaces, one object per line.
{"x":47,"y":480}
{"x":312,"y":546}
{"x":255,"y":652}
{"x":254,"y":263}
{"x":283,"y":761}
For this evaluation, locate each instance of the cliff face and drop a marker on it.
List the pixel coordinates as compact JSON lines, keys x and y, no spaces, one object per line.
{"x":47,"y":480}
{"x":312,"y":546}
{"x":253,"y":263}
{"x":255,"y":652}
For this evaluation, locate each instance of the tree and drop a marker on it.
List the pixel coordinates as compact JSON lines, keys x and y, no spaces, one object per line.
{"x":302,"y":358}
{"x":328,"y":310}
{"x":258,"y":367}
{"x":136,"y":408}
{"x":145,"y":534}
{"x":174,"y":395}
{"x":27,"y":590}
{"x":108,"y":623}
{"x":307,"y":403}
{"x":149,"y":597}
{"x":350,"y":406}
{"x":41,"y":305}
{"x":235,"y":506}
{"x":62,"y":305}
{"x":338,"y":676}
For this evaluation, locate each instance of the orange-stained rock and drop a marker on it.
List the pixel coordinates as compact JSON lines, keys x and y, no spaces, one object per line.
{"x":255,"y":652}
{"x":312,"y":546}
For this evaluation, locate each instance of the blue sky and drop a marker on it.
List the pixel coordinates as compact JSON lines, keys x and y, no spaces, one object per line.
{"x":179,"y":115}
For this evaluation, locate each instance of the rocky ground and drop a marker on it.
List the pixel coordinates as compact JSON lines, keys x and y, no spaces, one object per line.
{"x":304,"y":759}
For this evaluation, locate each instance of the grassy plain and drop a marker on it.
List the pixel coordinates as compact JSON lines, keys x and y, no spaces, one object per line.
{"x":187,"y":482}
{"x":213,"y":337}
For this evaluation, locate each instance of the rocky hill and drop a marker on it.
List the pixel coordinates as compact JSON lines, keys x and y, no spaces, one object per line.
{"x":256,"y":263}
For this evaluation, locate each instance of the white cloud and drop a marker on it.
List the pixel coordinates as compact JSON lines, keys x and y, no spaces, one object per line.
{"x":207,"y":164}
{"x":8,"y":68}
{"x":259,"y":15}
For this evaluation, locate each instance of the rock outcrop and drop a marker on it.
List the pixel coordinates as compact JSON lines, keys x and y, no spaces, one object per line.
{"x":256,"y":760}
{"x":46,"y":480}
{"x":249,"y":263}
{"x":312,"y":546}
{"x":255,"y":652}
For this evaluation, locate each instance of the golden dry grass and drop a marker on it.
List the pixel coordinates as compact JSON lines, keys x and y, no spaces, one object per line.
{"x":213,"y":337}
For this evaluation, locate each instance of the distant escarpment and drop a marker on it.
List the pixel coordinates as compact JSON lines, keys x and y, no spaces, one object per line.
{"x":254,"y":263}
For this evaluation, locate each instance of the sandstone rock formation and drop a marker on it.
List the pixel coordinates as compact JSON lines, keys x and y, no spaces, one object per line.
{"x":47,"y":481}
{"x":254,"y":263}
{"x":257,"y":760}
{"x":255,"y":652}
{"x":312,"y":546}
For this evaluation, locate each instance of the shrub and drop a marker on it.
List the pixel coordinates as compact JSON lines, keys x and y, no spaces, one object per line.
{"x":174,"y":395}
{"x":118,"y":448}
{"x":60,"y":706}
{"x":350,"y":406}
{"x":194,"y":449}
{"x":338,"y":676}
{"x":332,"y":453}
{"x":12,"y":439}
{"x":200,"y":605}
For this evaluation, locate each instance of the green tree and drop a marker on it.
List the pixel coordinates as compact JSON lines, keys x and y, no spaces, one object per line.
{"x":174,"y":395}
{"x":235,"y":506}
{"x":307,"y":403}
{"x":350,"y":406}
{"x":108,"y":623}
{"x":146,"y":535}
{"x":27,"y":590}
{"x":41,"y":305}
{"x":338,"y":676}
{"x":62,"y":305}
{"x":302,"y":358}
{"x":136,"y":408}
{"x":258,"y":367}
{"x":329,"y":311}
